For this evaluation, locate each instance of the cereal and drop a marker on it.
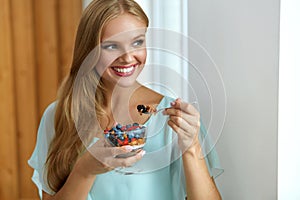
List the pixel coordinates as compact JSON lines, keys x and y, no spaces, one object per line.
{"x":131,"y":134}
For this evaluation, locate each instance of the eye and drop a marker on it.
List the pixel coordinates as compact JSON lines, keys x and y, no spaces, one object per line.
{"x":109,"y":46}
{"x":138,"y":43}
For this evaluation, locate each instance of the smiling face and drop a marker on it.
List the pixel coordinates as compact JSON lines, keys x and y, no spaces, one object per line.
{"x":123,"y":52}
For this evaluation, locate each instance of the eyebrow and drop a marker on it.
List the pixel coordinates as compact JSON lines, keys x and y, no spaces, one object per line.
{"x":111,"y":41}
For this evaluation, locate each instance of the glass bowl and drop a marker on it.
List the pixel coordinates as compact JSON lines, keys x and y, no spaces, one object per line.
{"x":134,"y":135}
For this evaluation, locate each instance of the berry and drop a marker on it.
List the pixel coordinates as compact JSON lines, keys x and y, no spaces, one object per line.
{"x":119,"y":126}
{"x":135,"y":124}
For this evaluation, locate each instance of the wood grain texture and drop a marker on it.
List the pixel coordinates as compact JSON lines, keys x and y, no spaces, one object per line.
{"x":69,"y":15}
{"x":46,"y":40}
{"x":8,"y":147}
{"x":25,"y":82}
{"x":36,"y":38}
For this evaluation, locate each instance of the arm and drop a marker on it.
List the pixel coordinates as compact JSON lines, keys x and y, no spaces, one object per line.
{"x":76,"y":187}
{"x":198,"y":181}
{"x":185,"y":121}
{"x":101,"y":160}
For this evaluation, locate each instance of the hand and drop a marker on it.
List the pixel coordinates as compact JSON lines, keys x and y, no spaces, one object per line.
{"x":100,"y":159}
{"x":184,"y":119}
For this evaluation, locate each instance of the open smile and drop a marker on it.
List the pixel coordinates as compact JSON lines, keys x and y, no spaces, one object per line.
{"x":124,"y":71}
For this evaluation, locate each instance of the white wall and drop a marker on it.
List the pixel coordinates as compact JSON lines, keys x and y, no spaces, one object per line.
{"x":242,"y":37}
{"x":289,"y":98}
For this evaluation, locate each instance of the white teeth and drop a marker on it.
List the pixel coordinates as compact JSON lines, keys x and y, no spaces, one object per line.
{"x":123,"y":70}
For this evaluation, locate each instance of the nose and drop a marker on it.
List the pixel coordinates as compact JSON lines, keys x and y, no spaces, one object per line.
{"x":127,"y":56}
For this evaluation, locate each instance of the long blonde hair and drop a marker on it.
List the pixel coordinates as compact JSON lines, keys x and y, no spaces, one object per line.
{"x":67,"y":145}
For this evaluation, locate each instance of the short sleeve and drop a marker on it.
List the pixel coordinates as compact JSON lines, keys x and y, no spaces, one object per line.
{"x":209,"y":151}
{"x":38,"y":158}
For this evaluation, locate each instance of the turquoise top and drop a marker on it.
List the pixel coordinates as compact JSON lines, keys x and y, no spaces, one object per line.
{"x":159,"y":175}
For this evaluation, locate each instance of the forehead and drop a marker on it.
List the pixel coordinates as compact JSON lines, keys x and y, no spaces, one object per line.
{"x":122,"y":27}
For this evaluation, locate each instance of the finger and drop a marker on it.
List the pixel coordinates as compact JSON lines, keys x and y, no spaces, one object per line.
{"x":106,"y":155}
{"x":191,"y":119}
{"x":185,"y":138}
{"x":177,"y":129}
{"x":182,"y":135}
{"x":124,"y":162}
{"x":181,"y":123}
{"x":101,"y":152}
{"x":173,"y":111}
{"x":114,"y":151}
{"x":187,"y":131}
{"x":184,"y":106}
{"x":129,"y":161}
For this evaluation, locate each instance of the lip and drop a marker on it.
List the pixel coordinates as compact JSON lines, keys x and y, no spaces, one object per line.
{"x":124,"y":74}
{"x":128,"y":66}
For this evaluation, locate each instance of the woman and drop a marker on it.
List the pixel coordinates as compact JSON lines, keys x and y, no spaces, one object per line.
{"x":72,"y":160}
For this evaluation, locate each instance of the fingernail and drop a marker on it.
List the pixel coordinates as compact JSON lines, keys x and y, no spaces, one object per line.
{"x":172,"y":103}
{"x":142,"y":153}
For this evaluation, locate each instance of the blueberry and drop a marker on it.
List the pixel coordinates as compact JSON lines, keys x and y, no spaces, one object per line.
{"x":138,"y":131}
{"x":137,"y":136}
{"x":141,"y":107}
{"x":113,"y":140}
{"x":111,"y":137}
{"x":118,"y":132}
{"x":119,"y":126}
{"x":128,"y":125}
{"x":142,"y":134}
{"x":130,"y":135}
{"x":135,"y":124}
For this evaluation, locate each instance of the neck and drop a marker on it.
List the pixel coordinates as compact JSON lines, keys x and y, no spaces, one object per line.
{"x":118,"y":102}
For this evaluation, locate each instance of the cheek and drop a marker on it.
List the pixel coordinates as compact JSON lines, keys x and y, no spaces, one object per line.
{"x":105,"y":61}
{"x":142,"y":55}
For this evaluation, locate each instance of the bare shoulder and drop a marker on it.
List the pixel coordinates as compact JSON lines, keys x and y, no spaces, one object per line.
{"x":143,"y":96}
{"x":148,"y":96}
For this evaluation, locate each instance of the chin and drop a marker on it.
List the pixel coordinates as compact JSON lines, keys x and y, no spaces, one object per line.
{"x":126,"y":83}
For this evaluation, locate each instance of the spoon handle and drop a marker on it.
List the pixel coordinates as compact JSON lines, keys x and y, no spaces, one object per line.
{"x":161,"y":109}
